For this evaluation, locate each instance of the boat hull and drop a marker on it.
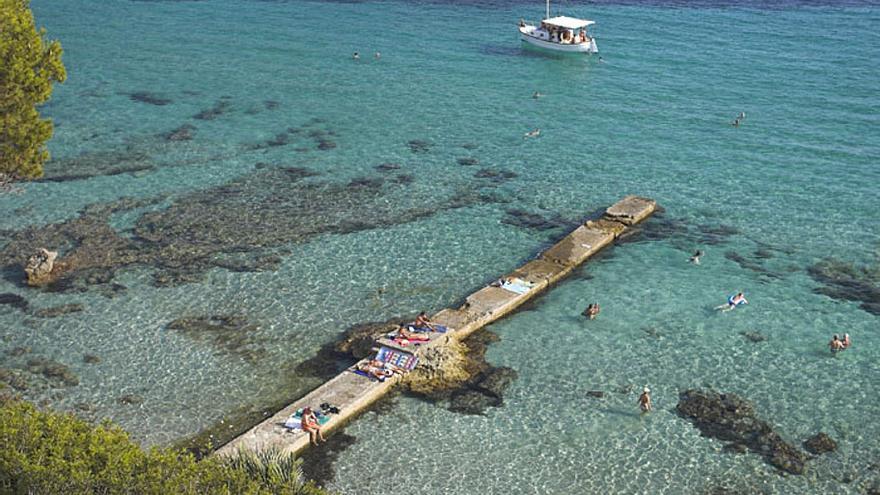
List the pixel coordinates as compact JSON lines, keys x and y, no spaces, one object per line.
{"x":559,"y":47}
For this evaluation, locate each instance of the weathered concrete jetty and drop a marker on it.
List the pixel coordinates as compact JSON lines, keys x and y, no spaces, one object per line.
{"x":352,"y":393}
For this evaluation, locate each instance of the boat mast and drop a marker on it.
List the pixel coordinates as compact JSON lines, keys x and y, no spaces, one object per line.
{"x":548,"y":10}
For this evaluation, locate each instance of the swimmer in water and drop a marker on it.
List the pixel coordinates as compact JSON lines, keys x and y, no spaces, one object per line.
{"x":531,"y":134}
{"x":732,"y":302}
{"x":378,"y":55}
{"x":356,"y":56}
{"x":645,"y":401}
{"x":537,"y":95}
{"x":695,"y":258}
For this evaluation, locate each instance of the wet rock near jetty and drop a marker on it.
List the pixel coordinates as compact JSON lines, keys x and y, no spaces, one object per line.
{"x":58,"y":374}
{"x":183,"y":133}
{"x":126,"y":160}
{"x":40,"y":266}
{"x":847,"y":281}
{"x":729,"y":418}
{"x":820,"y":443}
{"x":527,"y":220}
{"x":683,"y":234}
{"x":355,"y":343}
{"x":495,"y":175}
{"x":91,"y":359}
{"x":149,"y":98}
{"x":229,"y":334}
{"x":419,"y":146}
{"x":220,"y":108}
{"x":468,"y":161}
{"x":13,"y":301}
{"x":753,"y":336}
{"x":385,"y":167}
{"x":56,"y":311}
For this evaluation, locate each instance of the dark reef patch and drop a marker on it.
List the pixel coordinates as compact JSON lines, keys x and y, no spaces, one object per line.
{"x":14,"y":301}
{"x":271,"y":104}
{"x":58,"y":374}
{"x":527,"y":220}
{"x":384,"y":167}
{"x":729,"y":418}
{"x":495,"y":175}
{"x":419,"y":146}
{"x":229,"y":334}
{"x":468,"y":161}
{"x":847,"y":281}
{"x":404,"y":179}
{"x":150,"y":98}
{"x":750,"y":265}
{"x":220,"y":108}
{"x":182,"y":133}
{"x":238,"y":225}
{"x":56,"y":311}
{"x":125,"y":160}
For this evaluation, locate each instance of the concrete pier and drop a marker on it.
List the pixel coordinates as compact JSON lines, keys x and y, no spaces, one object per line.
{"x":352,"y":393}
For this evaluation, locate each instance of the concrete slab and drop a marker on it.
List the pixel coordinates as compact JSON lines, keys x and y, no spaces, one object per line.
{"x":631,"y":210}
{"x":539,"y":272}
{"x":576,"y":247}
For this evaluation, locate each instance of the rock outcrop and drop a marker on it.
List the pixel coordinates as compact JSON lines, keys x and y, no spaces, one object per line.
{"x":820,"y":443}
{"x":730,"y":418}
{"x":40,"y":267}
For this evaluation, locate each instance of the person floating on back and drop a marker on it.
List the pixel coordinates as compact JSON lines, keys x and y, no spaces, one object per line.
{"x":733,"y":302}
{"x":592,"y":311}
{"x":532,"y":133}
{"x":695,"y":258}
{"x":645,"y":400}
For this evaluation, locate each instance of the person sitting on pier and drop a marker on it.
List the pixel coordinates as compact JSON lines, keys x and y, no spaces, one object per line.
{"x":311,"y":426}
{"x":424,"y":324}
{"x":592,"y":311}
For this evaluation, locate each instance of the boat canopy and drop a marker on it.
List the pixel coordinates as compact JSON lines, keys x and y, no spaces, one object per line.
{"x":568,"y":22}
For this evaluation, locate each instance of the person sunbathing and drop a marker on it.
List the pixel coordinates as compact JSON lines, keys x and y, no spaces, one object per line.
{"x":404,"y":333}
{"x":376,"y":369}
{"x":311,"y":426}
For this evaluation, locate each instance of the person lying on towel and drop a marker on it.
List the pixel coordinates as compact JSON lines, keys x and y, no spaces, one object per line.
{"x":376,"y":369}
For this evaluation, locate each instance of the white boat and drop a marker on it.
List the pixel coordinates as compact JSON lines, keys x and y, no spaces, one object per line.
{"x":562,"y":34}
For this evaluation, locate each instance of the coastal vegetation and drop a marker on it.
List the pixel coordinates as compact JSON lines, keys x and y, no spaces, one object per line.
{"x":48,"y":452}
{"x":29,"y":66}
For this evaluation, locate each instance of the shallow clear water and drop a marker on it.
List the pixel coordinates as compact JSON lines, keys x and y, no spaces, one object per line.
{"x":796,"y":183}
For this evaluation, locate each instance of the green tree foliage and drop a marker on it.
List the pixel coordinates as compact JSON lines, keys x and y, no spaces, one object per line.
{"x":29,"y":65}
{"x":50,"y":453}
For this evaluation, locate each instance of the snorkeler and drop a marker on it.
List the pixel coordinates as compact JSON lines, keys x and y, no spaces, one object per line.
{"x":732,"y":302}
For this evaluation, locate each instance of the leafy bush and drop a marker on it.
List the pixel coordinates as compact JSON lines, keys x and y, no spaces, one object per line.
{"x":51,"y":453}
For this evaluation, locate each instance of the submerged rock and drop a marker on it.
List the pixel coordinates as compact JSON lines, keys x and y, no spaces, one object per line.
{"x":219,"y":108}
{"x":182,"y":133}
{"x":19,"y":351}
{"x":91,"y":359}
{"x":130,"y":399}
{"x":468,"y":161}
{"x":848,"y":282}
{"x":525,"y":219}
{"x":754,"y":336}
{"x":495,"y":175}
{"x":150,"y":98}
{"x":384,"y":167}
{"x":127,"y":160}
{"x":596,"y":393}
{"x":820,"y":443}
{"x":14,"y":378}
{"x":58,"y":374}
{"x":56,"y":311}
{"x":730,"y":418}
{"x":13,"y":300}
{"x":419,"y":146}
{"x":230,"y":334}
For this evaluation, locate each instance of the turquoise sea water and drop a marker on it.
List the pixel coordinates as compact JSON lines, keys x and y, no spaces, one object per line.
{"x":794,"y":185}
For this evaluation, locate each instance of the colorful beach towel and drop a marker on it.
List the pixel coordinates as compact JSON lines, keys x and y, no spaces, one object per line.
{"x":403,"y":360}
